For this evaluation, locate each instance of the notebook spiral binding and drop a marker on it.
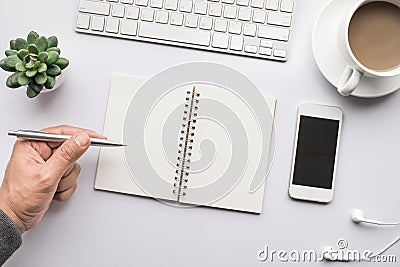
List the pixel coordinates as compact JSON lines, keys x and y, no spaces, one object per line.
{"x":186,"y":143}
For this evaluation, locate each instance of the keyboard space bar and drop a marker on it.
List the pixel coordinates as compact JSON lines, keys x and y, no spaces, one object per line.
{"x":174,"y":33}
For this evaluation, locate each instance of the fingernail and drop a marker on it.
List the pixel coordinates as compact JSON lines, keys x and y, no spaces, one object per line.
{"x":82,"y":139}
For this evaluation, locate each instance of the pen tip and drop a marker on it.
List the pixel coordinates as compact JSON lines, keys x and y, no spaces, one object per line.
{"x":12,"y":132}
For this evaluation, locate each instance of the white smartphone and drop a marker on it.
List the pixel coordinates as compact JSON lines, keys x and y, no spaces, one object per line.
{"x":315,"y":152}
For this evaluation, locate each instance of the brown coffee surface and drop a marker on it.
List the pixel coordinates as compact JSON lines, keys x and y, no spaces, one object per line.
{"x":374,"y":35}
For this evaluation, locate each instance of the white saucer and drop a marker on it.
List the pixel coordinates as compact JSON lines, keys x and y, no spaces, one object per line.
{"x":332,"y":63}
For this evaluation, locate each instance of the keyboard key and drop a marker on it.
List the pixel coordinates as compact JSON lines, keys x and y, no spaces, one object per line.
{"x":112,"y":25}
{"x":279,"y":53}
{"x":259,"y":16}
{"x":147,"y":14}
{"x":237,"y":43}
{"x":98,"y":23}
{"x":272,"y":4}
{"x":249,"y":29}
{"x":235,"y":27}
{"x":266,"y":43}
{"x":275,"y":33}
{"x":118,"y":11}
{"x":265,"y":51}
{"x":162,"y":16}
{"x":250,"y":49}
{"x":220,"y":40}
{"x":156,"y":3}
{"x":129,"y":27}
{"x":98,"y":8}
{"x":130,"y":2}
{"x":257,"y":3}
{"x":230,"y":12}
{"x":287,"y":6}
{"x":206,"y":23}
{"x":228,"y":1}
{"x":83,"y":21}
{"x":142,"y":2}
{"x":177,"y":19}
{"x":200,"y":7}
{"x":220,"y":25}
{"x":114,"y":1}
{"x":171,"y":5}
{"x":191,"y":21}
{"x":278,"y":18}
{"x":132,"y":12}
{"x":244,"y":14}
{"x":215,"y":10}
{"x":242,"y":2}
{"x":186,"y":6}
{"x":173,"y":33}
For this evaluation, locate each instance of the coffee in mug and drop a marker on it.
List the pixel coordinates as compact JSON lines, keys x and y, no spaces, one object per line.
{"x":369,"y":39}
{"x":374,"y":35}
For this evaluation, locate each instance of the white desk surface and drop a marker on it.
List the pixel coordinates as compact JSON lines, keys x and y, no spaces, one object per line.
{"x":96,"y":228}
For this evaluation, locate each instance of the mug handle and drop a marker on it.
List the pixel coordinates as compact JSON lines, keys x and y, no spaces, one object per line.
{"x":349,"y":81}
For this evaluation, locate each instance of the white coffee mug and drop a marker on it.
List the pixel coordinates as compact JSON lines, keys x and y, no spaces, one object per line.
{"x":354,"y":70}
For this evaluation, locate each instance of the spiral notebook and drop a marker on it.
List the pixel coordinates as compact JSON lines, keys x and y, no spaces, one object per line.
{"x":178,"y":149}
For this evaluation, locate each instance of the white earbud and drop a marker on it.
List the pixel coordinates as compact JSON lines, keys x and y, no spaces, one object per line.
{"x":358,"y":216}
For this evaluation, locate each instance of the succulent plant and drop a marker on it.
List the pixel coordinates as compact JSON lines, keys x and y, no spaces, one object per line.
{"x":36,"y":63}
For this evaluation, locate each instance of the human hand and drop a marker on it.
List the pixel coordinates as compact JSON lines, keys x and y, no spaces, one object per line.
{"x":39,"y":172}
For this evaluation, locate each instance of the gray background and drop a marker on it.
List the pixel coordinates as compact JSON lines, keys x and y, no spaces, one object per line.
{"x":104,"y":229}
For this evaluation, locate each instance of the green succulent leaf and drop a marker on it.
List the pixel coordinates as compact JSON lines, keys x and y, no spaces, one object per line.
{"x":53,"y":42}
{"x":4,"y":66}
{"x":42,"y":57}
{"x":33,"y":49}
{"x":20,"y":44}
{"x":10,"y":52}
{"x":32,"y":37}
{"x":12,"y":45}
{"x":53,"y":70}
{"x":51,"y":81}
{"x":42,"y":43}
{"x":41,"y":78}
{"x":11,"y":61}
{"x":22,"y":53}
{"x":31,"y":73}
{"x":20,"y":66}
{"x":12,"y":80}
{"x":23,"y":79}
{"x":56,"y":49}
{"x":33,"y":90}
{"x":42,"y":68}
{"x":52,"y":57}
{"x":62,"y":62}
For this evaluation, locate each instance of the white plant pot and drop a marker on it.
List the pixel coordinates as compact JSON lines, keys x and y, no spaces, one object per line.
{"x":59,"y":81}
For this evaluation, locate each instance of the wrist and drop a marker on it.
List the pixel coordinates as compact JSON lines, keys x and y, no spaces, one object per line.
{"x":5,"y":207}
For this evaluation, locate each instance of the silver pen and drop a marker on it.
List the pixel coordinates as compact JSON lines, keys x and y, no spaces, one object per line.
{"x":50,"y":137}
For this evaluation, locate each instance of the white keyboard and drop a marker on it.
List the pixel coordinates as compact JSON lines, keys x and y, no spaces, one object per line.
{"x":254,"y":28}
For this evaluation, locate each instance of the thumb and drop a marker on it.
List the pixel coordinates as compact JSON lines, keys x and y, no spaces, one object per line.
{"x":66,"y":155}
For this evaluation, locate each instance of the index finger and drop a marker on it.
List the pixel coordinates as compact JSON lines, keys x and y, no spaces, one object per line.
{"x":69,"y":130}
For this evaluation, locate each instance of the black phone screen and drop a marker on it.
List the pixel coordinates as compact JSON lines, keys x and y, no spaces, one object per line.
{"x":316,"y":152}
